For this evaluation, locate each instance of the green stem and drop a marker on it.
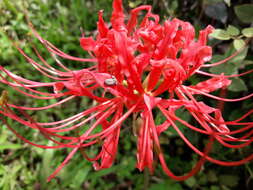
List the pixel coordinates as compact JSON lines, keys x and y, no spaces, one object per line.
{"x":146,"y":178}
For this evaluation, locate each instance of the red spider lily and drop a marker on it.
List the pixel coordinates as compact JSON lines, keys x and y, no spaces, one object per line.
{"x":143,"y":65}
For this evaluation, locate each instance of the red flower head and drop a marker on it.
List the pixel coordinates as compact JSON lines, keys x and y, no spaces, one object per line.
{"x":142,"y":68}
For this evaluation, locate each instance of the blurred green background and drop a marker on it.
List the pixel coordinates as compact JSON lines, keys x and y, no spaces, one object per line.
{"x":59,"y":21}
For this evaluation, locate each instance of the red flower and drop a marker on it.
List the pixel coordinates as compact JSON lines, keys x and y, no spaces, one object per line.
{"x":141,"y":67}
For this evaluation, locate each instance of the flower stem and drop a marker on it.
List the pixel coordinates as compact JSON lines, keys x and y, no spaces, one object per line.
{"x":146,"y":178}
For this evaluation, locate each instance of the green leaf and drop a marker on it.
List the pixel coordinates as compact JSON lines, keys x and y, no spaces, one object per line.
{"x":165,"y":185}
{"x":2,"y":169}
{"x":101,"y":173}
{"x":228,"y":2}
{"x":211,"y":176}
{"x":226,"y":68}
{"x":215,"y":187}
{"x":237,"y":85}
{"x":78,"y":172}
{"x":202,"y":180}
{"x":238,"y":44}
{"x":134,"y":4}
{"x":229,"y":180}
{"x":230,"y":67}
{"x":191,"y":182}
{"x":244,"y":12}
{"x":47,"y":157}
{"x":247,"y":62}
{"x":233,"y":31}
{"x":240,"y":57}
{"x":217,"y":58}
{"x":220,"y":34}
{"x":10,"y":146}
{"x":10,"y":6}
{"x":248,"y":32}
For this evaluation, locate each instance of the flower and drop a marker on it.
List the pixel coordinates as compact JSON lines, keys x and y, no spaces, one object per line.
{"x":140,"y":68}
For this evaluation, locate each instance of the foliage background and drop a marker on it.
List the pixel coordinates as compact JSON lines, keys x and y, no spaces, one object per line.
{"x":59,"y":21}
